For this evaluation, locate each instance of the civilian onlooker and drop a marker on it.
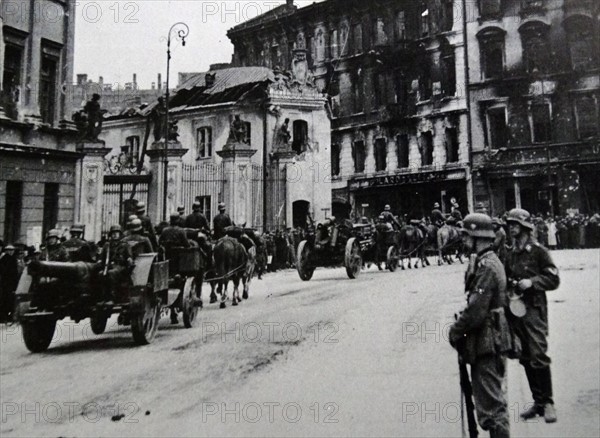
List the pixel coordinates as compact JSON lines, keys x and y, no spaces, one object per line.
{"x":552,"y":234}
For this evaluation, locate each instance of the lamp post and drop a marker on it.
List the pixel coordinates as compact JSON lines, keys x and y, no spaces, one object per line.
{"x":181,"y":31}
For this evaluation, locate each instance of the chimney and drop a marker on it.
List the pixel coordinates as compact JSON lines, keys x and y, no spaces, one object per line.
{"x":290,"y":3}
{"x":101,"y":80}
{"x":159,"y":81}
{"x":135,"y":81}
{"x":209,"y":79}
{"x":154,"y":85}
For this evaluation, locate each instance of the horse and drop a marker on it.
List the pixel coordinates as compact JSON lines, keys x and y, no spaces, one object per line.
{"x":231,"y":263}
{"x":448,"y":239}
{"x":431,"y":247}
{"x":412,"y":241}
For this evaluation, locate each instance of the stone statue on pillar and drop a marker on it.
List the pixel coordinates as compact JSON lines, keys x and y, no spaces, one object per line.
{"x":282,"y":141}
{"x":89,"y":120}
{"x":238,"y":137}
{"x":158,"y":117}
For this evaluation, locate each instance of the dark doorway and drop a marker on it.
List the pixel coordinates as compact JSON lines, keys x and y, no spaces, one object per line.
{"x":300,"y":212}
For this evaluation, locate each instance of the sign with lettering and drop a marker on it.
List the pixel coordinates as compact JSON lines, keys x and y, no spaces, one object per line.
{"x":404,"y":178}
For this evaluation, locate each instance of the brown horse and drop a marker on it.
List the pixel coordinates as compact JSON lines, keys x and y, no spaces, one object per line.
{"x":449,"y":241}
{"x":230,"y":263}
{"x":412,"y":243}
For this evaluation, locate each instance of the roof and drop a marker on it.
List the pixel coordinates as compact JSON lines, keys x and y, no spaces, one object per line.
{"x":272,"y":15}
{"x":228,"y":78}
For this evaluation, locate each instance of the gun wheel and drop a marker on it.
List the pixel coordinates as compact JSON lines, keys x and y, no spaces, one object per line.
{"x":144,"y":325}
{"x":38,"y":334}
{"x":392,"y":258}
{"x":303,"y":265}
{"x":353,"y":258}
{"x":188,"y":302}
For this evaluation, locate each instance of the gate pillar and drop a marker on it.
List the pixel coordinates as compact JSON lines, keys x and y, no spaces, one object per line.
{"x":173,"y":157}
{"x":238,"y":181}
{"x":89,"y":176}
{"x":284,"y":159}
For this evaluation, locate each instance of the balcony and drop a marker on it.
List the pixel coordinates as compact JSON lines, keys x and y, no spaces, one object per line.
{"x":397,"y":112}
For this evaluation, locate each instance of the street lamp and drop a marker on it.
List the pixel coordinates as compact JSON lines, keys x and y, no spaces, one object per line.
{"x":180,"y":31}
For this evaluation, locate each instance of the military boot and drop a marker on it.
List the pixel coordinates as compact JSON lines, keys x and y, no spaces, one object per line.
{"x":500,"y":431}
{"x":532,"y":412}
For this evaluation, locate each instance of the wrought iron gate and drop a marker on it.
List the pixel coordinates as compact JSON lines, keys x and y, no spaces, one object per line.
{"x":204,"y":180}
{"x":117,"y":190}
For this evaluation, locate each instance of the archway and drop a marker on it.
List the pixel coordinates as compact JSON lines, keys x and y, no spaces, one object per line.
{"x":300,"y":212}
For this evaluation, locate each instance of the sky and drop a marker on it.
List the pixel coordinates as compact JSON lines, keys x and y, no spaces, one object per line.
{"x":117,"y":38}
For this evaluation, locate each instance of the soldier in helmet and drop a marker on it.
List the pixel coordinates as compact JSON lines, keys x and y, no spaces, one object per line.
{"x":79,"y":250}
{"x":54,"y":251}
{"x":500,"y":240}
{"x":482,"y":323}
{"x":531,"y":271}
{"x":196,"y":220}
{"x":173,"y":236}
{"x":147,"y":226}
{"x":221,"y":221}
{"x":389,"y":217}
{"x":437,"y":217}
{"x":136,"y":239}
{"x":116,"y":261}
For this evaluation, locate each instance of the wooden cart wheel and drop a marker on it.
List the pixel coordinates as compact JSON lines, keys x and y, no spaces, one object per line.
{"x":98,"y":323}
{"x":38,"y":333}
{"x":144,"y":325}
{"x":188,"y":303}
{"x":392,"y":258}
{"x":303,"y":265}
{"x":352,"y":258}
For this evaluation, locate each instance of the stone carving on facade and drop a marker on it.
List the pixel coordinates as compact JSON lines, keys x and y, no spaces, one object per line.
{"x":90,"y":176}
{"x":237,"y":131}
{"x":426,"y":125}
{"x":283,"y":137}
{"x":124,"y":163}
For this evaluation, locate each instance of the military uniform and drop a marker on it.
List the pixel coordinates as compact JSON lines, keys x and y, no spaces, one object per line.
{"x":138,"y":243}
{"x":500,"y":244}
{"x":197,"y":221}
{"x":79,"y":250}
{"x":173,"y":236}
{"x":55,"y":253}
{"x":220,"y":222}
{"x":148,"y":230}
{"x":487,"y":339}
{"x":116,"y":261}
{"x":389,"y":217}
{"x":534,"y":262}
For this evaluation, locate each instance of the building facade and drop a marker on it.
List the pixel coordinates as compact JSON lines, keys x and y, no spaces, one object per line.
{"x":535,"y":92}
{"x":395,"y":77}
{"x":250,"y":137}
{"x":37,"y":148}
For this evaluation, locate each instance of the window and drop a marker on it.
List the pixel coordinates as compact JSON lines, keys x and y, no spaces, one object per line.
{"x":50,"y":219}
{"x":335,"y":159}
{"x":586,"y":116}
{"x":425,"y":83}
{"x":204,"y":142}
{"x":497,"y":127}
{"x":381,"y":38}
{"x":11,"y":82}
{"x":447,"y":21}
{"x":47,"y":93}
{"x":541,"y":122}
{"x":320,"y":46}
{"x":379,"y":89}
{"x":358,"y":38}
{"x":491,"y":44}
{"x":426,"y":148}
{"x":275,"y":55}
{"x":333,"y":44}
{"x":532,"y":5}
{"x":448,"y":69}
{"x":12,"y":211}
{"x":357,"y":93}
{"x":380,"y":151}
{"x":402,"y":150}
{"x":400,"y":26}
{"x":132,"y":147}
{"x":490,"y":8}
{"x":401,"y":88}
{"x":582,"y":46}
{"x":300,"y":139}
{"x":535,"y":47}
{"x":359,"y":156}
{"x":424,"y":20}
{"x":344,"y":39}
{"x":205,"y":205}
{"x":451,"y":145}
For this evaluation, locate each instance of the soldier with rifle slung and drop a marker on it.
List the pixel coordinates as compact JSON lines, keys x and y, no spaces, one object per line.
{"x":481,"y":333}
{"x":116,"y":261}
{"x":54,"y":251}
{"x":78,"y":248}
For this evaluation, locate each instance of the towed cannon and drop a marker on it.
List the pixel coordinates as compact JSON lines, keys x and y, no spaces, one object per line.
{"x":50,"y":291}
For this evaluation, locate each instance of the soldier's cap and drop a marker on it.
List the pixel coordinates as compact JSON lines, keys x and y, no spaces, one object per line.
{"x":140,"y":207}
{"x":478,"y":225}
{"x":135,"y":225}
{"x":174,"y":217}
{"x":521,"y":217}
{"x":196,"y":206}
{"x":115,"y":228}
{"x":221,"y":206}
{"x":387,"y":207}
{"x":9,"y":248}
{"x":436,"y":205}
{"x":53,"y":233}
{"x":77,"y":228}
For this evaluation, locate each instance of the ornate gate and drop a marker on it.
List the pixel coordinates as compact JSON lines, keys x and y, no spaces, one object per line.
{"x":203,"y":180}
{"x":117,"y":190}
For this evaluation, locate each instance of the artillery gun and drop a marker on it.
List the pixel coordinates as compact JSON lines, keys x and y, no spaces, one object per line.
{"x":51,"y":291}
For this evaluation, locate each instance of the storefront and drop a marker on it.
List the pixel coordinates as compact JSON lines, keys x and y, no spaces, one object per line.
{"x":409,"y":194}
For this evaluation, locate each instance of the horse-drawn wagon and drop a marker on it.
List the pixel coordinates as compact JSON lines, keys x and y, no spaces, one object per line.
{"x":332,"y":244}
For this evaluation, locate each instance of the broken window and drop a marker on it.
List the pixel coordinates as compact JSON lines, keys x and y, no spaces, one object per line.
{"x":358,"y":38}
{"x":586,"y":115}
{"x":532,"y":5}
{"x":11,"y":82}
{"x":379,"y":89}
{"x":359,"y":156}
{"x":424,"y":20}
{"x":452,"y":145}
{"x":300,"y":139}
{"x":48,"y":85}
{"x":581,"y":39}
{"x":490,"y":8}
{"x":535,"y":47}
{"x":426,"y":141}
{"x":541,"y":122}
{"x":425,"y":82}
{"x":491,"y":44}
{"x":379,"y":33}
{"x":402,"y":150}
{"x":357,"y":93}
{"x":333,"y":44}
{"x":447,"y":11}
{"x":336,"y":153}
{"x":497,"y":127}
{"x":448,"y":62}
{"x":275,"y":55}
{"x":204,"y":142}
{"x":13,"y":208}
{"x":400,"y":26}
{"x":380,"y":151}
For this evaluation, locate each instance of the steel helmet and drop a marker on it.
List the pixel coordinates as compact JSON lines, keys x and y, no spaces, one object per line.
{"x":135,"y":225}
{"x":116,"y":228}
{"x":478,"y":225}
{"x":221,"y":206}
{"x":141,"y":207}
{"x":53,"y":233}
{"x":436,"y":205}
{"x":387,"y":207}
{"x":77,"y":228}
{"x":520,"y":216}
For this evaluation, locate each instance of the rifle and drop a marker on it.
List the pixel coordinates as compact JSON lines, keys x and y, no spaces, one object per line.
{"x":466,"y":393}
{"x":106,"y":261}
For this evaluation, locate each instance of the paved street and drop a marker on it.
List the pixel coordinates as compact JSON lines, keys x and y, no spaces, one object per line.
{"x":329,"y":357}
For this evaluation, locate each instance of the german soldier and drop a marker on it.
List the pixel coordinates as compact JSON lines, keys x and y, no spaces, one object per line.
{"x":116,"y":261}
{"x":54,"y":251}
{"x":196,"y":219}
{"x":221,"y":221}
{"x":437,"y":217}
{"x":481,"y":331}
{"x":147,"y":227}
{"x":500,"y":240}
{"x":136,"y":240}
{"x":532,"y":272}
{"x":79,"y":250}
{"x":389,"y":216}
{"x":173,"y":236}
